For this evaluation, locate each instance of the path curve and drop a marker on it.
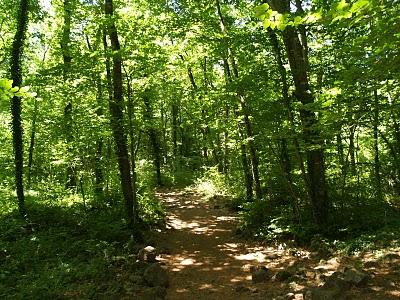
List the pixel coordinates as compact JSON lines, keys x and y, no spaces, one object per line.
{"x":205,"y":258}
{"x":207,"y":261}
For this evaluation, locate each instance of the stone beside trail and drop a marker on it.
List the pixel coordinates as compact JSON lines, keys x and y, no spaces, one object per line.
{"x":199,"y":256}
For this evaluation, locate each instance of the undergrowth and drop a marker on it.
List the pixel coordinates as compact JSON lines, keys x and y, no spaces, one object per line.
{"x":67,"y":249}
{"x":353,"y":226}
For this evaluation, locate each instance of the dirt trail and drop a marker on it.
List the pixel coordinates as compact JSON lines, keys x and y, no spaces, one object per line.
{"x":206,"y":260}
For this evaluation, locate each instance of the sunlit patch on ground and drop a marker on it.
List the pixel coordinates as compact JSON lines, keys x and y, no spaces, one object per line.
{"x":256,"y":256}
{"x":207,"y":261}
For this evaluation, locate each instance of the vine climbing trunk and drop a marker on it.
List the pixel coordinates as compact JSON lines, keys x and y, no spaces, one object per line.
{"x":117,"y":119}
{"x":298,"y":60}
{"x":16,"y":76}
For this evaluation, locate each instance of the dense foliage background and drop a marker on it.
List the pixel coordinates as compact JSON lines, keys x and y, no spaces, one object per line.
{"x":291,"y":109}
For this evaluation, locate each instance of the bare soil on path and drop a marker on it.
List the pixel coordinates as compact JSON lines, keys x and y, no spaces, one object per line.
{"x":205,"y":259}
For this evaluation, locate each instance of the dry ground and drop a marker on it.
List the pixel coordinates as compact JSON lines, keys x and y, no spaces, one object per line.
{"x":206,"y":260}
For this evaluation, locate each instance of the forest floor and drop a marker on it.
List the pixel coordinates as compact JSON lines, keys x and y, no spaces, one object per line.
{"x":206,"y":259}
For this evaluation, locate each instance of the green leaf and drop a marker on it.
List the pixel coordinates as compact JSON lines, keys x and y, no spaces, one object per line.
{"x":312,"y":18}
{"x":342,"y":5}
{"x":261,"y":10}
{"x":6,"y":84}
{"x":24,"y":89}
{"x":359,"y":5}
{"x":267,"y":23}
{"x":298,"y":20}
{"x":281,"y":22}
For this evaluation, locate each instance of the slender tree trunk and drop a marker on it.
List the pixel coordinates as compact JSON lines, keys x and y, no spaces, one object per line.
{"x":16,"y":76}
{"x":352,"y":150}
{"x":248,"y":178}
{"x":205,"y":136}
{"x":153,"y":137}
{"x":226,"y":140}
{"x":396,"y":160}
{"x":286,"y":100}
{"x":315,"y":153}
{"x":110,"y":99}
{"x":285,"y":158}
{"x":131,"y":116}
{"x":98,"y":171}
{"x":217,"y":153}
{"x":340,"y":151}
{"x":174,"y":114}
{"x":71,"y":181}
{"x":252,"y":149}
{"x":244,"y":109}
{"x":377,"y":165}
{"x":164,"y":144}
{"x":33,"y":132}
{"x":117,"y":120}
{"x":32,"y":143}
{"x":206,"y":128}
{"x":396,"y":133}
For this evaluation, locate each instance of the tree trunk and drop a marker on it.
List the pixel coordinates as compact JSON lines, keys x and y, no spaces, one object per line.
{"x":244,"y":109}
{"x":131,"y":112}
{"x":377,"y":165}
{"x":396,"y":132}
{"x":352,"y":150}
{"x":284,"y":155}
{"x":16,"y":76}
{"x":315,"y":154}
{"x":252,"y":148}
{"x":117,"y":120}
{"x":153,"y":137}
{"x":248,"y":178}
{"x":71,"y":181}
{"x":285,"y":159}
{"x":32,"y":143}
{"x":98,"y":171}
{"x":174,"y":113}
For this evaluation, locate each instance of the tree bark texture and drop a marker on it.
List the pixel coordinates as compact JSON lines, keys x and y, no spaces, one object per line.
{"x":244,"y":108}
{"x":315,"y":154}
{"x":16,"y":76}
{"x":117,"y":120}
{"x":71,"y":181}
{"x":153,"y":138}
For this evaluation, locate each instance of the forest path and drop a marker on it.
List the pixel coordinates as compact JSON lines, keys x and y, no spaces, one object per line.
{"x":205,"y":259}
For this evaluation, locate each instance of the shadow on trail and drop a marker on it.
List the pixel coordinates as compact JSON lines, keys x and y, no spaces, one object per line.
{"x":205,"y":258}
{"x":207,"y":261}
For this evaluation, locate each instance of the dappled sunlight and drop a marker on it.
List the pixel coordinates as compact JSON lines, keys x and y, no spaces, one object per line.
{"x":256,"y":256}
{"x":207,"y":261}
